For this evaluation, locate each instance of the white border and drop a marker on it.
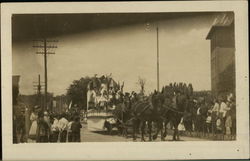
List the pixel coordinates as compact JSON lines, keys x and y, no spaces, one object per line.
{"x":132,"y":150}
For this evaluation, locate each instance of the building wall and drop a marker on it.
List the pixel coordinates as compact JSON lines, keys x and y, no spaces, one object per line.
{"x":223,"y":60}
{"x":223,"y":70}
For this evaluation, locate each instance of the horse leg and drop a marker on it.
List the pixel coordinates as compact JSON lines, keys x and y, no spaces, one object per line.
{"x":142,"y":131}
{"x":204,"y":130}
{"x":174,"y":135}
{"x":126,"y":132}
{"x":135,"y":129}
{"x":150,"y":130}
{"x":177,"y":134}
{"x":161,"y":128}
{"x":165,"y":129}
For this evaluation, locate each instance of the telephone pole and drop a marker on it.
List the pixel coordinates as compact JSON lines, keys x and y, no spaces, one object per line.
{"x":38,"y":87}
{"x":45,"y":52}
{"x":158,"y":77}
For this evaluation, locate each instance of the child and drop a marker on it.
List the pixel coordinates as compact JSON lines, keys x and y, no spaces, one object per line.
{"x":228,"y":125}
{"x":219,"y":125}
{"x":76,"y":130}
{"x":208,"y":122}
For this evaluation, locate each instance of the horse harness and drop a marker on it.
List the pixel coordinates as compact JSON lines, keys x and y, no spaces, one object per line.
{"x":172,"y":109}
{"x":145,"y":108}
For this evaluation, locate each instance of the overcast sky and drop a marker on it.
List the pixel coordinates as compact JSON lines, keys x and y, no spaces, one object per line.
{"x":128,"y":52}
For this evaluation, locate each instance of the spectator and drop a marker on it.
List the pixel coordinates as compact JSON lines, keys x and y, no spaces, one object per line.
{"x":33,"y":119}
{"x":42,"y":128}
{"x":216,"y":107}
{"x":232,"y":112}
{"x":198,"y":119}
{"x":223,"y":110}
{"x":69,"y":129}
{"x":208,"y":122}
{"x":47,"y":120}
{"x":228,"y":125}
{"x":76,"y":127}
{"x":215,"y":114}
{"x":219,"y":124}
{"x":51,"y":120}
{"x":63,"y":125}
{"x":55,"y":129}
{"x":20,"y":127}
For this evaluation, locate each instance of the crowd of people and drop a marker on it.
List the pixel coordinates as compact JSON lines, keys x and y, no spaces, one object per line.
{"x":216,"y":116}
{"x":209,"y":115}
{"x":50,"y":127}
{"x":222,"y":116}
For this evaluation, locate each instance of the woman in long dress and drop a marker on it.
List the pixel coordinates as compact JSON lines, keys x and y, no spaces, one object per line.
{"x":33,"y":128}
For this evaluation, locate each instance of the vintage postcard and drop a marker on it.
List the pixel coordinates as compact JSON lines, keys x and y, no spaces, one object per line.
{"x":125,"y":80}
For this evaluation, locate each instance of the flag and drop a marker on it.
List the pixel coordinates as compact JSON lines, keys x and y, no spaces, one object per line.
{"x":70,"y":104}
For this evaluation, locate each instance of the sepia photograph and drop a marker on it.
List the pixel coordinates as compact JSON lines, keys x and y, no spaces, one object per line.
{"x":138,"y":77}
{"x":123,"y":77}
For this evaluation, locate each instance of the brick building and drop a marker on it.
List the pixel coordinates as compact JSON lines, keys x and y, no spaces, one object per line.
{"x":222,"y":49}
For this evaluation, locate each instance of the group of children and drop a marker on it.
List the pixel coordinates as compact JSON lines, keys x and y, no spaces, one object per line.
{"x":47,"y":127}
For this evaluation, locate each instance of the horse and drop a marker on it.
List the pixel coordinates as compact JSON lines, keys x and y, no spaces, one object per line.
{"x":146,"y":111}
{"x":172,"y":114}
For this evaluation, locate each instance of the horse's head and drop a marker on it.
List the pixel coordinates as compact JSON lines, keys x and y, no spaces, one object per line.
{"x":167,"y":102}
{"x":182,"y":102}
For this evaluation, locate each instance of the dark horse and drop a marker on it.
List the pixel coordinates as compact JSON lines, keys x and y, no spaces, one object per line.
{"x":172,"y":113}
{"x":146,"y":111}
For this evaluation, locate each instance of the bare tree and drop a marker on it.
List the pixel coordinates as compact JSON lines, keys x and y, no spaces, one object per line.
{"x":141,"y":82}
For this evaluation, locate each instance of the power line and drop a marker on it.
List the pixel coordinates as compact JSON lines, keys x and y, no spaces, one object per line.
{"x":45,"y":47}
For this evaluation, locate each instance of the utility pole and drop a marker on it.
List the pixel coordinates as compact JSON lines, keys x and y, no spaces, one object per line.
{"x":61,"y":103}
{"x":39,"y":90}
{"x":45,"y":47}
{"x":38,"y":87}
{"x":158,"y":77}
{"x":45,"y":73}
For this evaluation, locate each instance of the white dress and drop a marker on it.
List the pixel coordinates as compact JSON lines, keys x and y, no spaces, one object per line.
{"x":33,"y":128}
